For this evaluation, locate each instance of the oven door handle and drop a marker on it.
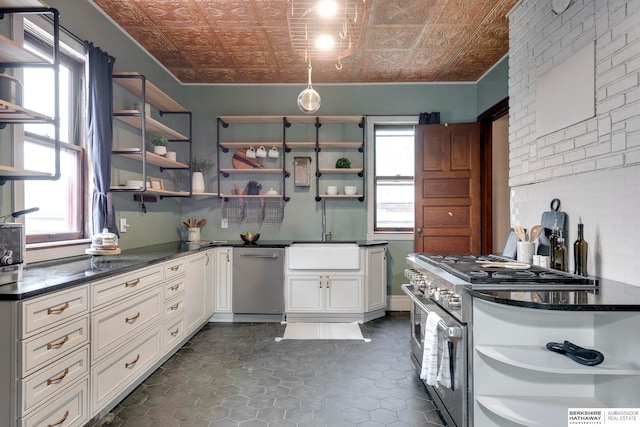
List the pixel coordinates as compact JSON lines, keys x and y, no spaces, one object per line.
{"x":450,"y":331}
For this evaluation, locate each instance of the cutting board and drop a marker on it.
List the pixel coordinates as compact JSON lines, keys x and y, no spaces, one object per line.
{"x":241,"y":161}
{"x":549,"y":219}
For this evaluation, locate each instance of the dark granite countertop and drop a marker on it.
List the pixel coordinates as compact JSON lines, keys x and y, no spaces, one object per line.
{"x":609,"y":296}
{"x":44,"y":277}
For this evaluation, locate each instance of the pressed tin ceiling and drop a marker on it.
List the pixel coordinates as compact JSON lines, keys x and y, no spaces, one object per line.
{"x":247,"y":41}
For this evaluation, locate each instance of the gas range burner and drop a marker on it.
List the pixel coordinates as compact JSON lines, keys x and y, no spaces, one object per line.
{"x":471,"y":269}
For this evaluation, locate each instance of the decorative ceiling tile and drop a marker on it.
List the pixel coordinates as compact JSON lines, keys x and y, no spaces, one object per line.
{"x":247,"y":41}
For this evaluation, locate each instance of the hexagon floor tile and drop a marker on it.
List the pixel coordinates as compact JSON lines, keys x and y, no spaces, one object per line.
{"x":236,"y":374}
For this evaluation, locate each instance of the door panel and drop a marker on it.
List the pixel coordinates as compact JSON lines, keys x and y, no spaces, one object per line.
{"x":448,"y":189}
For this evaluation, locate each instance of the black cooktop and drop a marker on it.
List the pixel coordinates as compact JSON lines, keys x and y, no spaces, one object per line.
{"x":468,"y":268}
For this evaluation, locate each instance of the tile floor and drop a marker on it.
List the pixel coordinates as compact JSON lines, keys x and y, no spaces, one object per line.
{"x":236,"y":374}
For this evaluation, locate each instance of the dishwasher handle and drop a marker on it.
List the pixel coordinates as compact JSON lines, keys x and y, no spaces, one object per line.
{"x":272,"y":256}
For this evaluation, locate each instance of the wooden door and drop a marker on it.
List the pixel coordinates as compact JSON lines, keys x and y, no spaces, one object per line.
{"x":447,"y":178}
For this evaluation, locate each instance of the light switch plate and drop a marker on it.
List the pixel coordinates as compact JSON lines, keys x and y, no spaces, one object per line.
{"x":225,"y":223}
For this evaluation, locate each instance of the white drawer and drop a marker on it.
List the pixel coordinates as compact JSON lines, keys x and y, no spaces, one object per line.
{"x":117,"y":323}
{"x":125,"y":285}
{"x":174,"y":306}
{"x":54,"y":378}
{"x":69,"y":409}
{"x":52,"y":309}
{"x":174,"y":332}
{"x":174,"y":287}
{"x":174,"y":268}
{"x":44,"y":348}
{"x":114,"y":374}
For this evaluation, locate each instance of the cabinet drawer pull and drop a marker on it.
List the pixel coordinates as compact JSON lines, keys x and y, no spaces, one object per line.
{"x":174,"y":333}
{"x":175,"y":287}
{"x":131,"y":319}
{"x":133,"y":362}
{"x":58,"y":378}
{"x":328,"y":282}
{"x":59,"y":343}
{"x":131,"y":283}
{"x":174,"y":306}
{"x":59,"y":309}
{"x":175,"y":268}
{"x":63,"y":419}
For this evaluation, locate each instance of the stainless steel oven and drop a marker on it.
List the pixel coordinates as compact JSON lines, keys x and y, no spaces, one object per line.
{"x":451,"y":401}
{"x":438,"y":284}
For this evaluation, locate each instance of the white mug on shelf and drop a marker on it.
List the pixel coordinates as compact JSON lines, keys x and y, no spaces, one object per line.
{"x":274,"y":153}
{"x":261,"y":152}
{"x":251,"y":153}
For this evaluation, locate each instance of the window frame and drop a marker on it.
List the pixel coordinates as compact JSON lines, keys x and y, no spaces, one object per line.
{"x":372,"y":122}
{"x":42,"y":28}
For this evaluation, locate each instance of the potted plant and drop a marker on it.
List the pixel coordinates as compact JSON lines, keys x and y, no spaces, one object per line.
{"x":343,"y":163}
{"x":253,"y":187}
{"x":198,"y":167}
{"x":160,"y":144}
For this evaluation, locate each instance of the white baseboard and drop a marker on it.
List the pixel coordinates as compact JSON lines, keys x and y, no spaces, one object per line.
{"x":398,"y":303}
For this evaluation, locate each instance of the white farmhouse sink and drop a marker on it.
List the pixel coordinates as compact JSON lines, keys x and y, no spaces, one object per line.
{"x":323,"y":256}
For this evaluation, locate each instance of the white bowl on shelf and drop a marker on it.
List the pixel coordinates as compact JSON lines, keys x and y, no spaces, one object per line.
{"x":332,"y":190}
{"x":350,"y":190}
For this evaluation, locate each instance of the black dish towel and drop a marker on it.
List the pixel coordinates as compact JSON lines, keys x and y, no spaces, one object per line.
{"x":578,"y":354}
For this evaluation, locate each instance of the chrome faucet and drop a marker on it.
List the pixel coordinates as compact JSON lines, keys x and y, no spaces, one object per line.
{"x":326,"y":237}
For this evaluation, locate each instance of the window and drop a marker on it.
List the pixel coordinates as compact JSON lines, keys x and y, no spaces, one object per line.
{"x":61,"y":202}
{"x":393,"y":181}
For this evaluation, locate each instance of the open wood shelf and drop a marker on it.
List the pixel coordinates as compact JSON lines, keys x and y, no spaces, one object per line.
{"x":152,"y":158}
{"x":22,"y":3}
{"x":128,"y":188}
{"x":292,"y":119}
{"x":13,"y":113}
{"x":343,"y":170}
{"x":256,"y":171}
{"x":340,"y":196}
{"x":10,"y":171}
{"x":251,"y":196}
{"x":132,"y":81}
{"x":10,"y":51}
{"x":152,"y":126}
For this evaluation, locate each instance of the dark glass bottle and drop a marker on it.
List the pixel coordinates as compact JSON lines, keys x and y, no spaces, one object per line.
{"x":560,"y":254}
{"x":580,"y":249}
{"x":553,"y":241}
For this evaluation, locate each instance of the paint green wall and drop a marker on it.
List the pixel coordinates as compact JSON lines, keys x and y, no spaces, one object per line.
{"x":302,"y":220}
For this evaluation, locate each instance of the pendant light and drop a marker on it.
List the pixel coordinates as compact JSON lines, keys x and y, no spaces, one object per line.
{"x":309,"y":99}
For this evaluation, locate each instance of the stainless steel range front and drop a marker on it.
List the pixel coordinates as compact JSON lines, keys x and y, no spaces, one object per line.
{"x":438,"y":284}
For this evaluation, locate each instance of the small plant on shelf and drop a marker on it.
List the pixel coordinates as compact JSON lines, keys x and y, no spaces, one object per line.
{"x":200,"y":165}
{"x":343,"y":163}
{"x":253,"y":187}
{"x":160,"y":144}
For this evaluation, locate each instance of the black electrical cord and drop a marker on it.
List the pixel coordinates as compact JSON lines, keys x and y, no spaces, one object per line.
{"x":581,"y":355}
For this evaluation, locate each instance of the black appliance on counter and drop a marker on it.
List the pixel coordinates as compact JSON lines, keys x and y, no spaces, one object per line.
{"x":437,"y":283}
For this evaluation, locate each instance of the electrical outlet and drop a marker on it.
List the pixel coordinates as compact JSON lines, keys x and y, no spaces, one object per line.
{"x":225,"y":223}
{"x":123,"y":225}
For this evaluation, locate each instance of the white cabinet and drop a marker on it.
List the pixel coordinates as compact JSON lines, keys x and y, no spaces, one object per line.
{"x":517,"y":380}
{"x":53,"y":358}
{"x":210,"y":282}
{"x":195,"y":311}
{"x":324,"y":293}
{"x":376,"y":277}
{"x":335,"y":282}
{"x":223,"y":269}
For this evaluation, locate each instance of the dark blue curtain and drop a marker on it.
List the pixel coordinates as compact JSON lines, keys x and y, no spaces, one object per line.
{"x":101,"y":136}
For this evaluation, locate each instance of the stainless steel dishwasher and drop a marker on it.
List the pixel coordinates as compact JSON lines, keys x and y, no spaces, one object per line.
{"x":258,"y":281}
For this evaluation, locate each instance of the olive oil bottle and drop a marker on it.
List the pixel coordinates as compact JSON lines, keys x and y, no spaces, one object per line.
{"x":580,"y":249}
{"x":553,"y":241}
{"x":560,"y":254}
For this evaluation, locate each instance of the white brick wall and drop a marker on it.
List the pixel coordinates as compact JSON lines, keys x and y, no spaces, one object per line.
{"x":592,"y":166}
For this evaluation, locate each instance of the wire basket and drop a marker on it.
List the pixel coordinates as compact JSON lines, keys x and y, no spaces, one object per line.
{"x":253,"y":211}
{"x":233,"y":210}
{"x":273,"y":211}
